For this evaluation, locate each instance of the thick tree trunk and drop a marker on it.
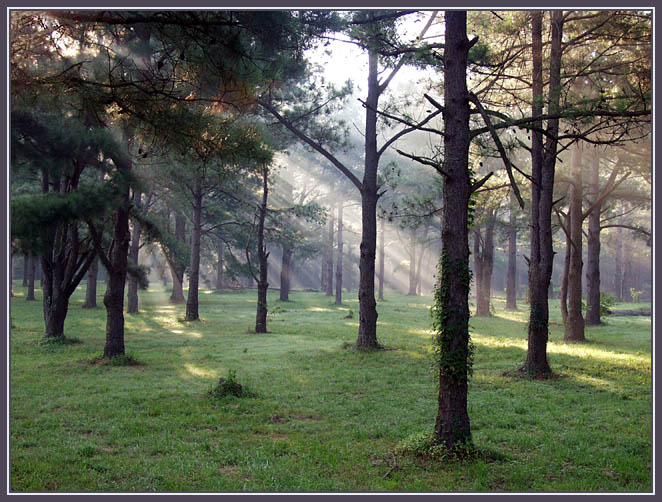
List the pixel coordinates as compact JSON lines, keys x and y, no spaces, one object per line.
{"x":329,"y":257}
{"x":339,"y":255}
{"x":593,"y":250}
{"x":55,"y":315}
{"x":452,"y":426}
{"x":262,"y":283}
{"x":219,"y":267}
{"x":542,"y":173}
{"x":91,"y":288}
{"x":412,"y":262}
{"x":194,"y":272}
{"x":134,"y":250}
{"x":574,"y":325}
{"x":286,"y":273}
{"x":31,"y":273}
{"x":176,"y":269}
{"x":511,"y":280}
{"x":382,"y":225}
{"x":367,"y":336}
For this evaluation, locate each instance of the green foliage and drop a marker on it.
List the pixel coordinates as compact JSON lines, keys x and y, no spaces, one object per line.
{"x":228,"y":387}
{"x":423,"y":444}
{"x":606,"y":302}
{"x":635,"y":295}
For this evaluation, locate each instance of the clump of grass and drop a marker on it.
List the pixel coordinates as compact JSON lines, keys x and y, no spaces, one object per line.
{"x":423,"y":444}
{"x":54,"y":341}
{"x":228,"y":387}
{"x":350,"y":314}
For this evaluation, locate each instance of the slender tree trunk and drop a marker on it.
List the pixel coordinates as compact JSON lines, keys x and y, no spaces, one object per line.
{"x":219,"y":267}
{"x":262,"y":284}
{"x":31,"y":272}
{"x":134,"y":250}
{"x":452,"y":426}
{"x":176,"y":269}
{"x":618,"y":272}
{"x":91,"y":289}
{"x":286,"y":273}
{"x":194,"y":273}
{"x":564,"y":278}
{"x":574,"y":325}
{"x":26,"y":268}
{"x":421,"y":254}
{"x":382,"y":227}
{"x":486,"y":267}
{"x":477,"y":270}
{"x":329,"y":258}
{"x":367,"y":336}
{"x":542,"y":172}
{"x":339,"y":255}
{"x":511,"y":280}
{"x":593,"y":250}
{"x":412,"y":262}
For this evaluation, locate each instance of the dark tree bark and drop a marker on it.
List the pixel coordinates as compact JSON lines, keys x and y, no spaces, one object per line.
{"x":263,"y":255}
{"x":31,"y":273}
{"x":339,"y":255}
{"x":134,"y":250}
{"x":382,"y":225}
{"x":194,"y":272}
{"x":26,"y":268}
{"x":511,"y":279}
{"x":329,"y":257}
{"x":91,"y":288}
{"x":412,"y":262}
{"x":542,"y":173}
{"x":483,"y":266}
{"x":593,"y":248}
{"x":177,"y":269}
{"x":219,"y":266}
{"x":452,"y":426}
{"x":286,"y":273}
{"x":574,"y":324}
{"x":564,"y":278}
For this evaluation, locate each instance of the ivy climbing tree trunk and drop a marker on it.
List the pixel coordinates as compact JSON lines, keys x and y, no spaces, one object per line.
{"x":451,"y":308}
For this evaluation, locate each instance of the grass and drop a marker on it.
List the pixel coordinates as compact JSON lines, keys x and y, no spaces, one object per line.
{"x":319,"y":417}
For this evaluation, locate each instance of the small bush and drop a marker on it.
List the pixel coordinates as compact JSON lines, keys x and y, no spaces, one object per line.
{"x":422,"y":444}
{"x":228,"y":387}
{"x":606,"y":303}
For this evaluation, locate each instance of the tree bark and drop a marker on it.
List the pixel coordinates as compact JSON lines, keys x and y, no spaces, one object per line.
{"x":421,"y":254}
{"x":574,"y":325}
{"x":26,"y":268}
{"x":542,"y":173}
{"x":177,"y":269}
{"x":329,"y":258}
{"x":263,"y":255}
{"x":618,"y":272}
{"x":452,"y":425}
{"x":91,"y":288}
{"x":593,"y":249}
{"x":339,"y":255}
{"x":134,"y":250}
{"x":367,"y":336}
{"x":484,"y":257}
{"x":286,"y":273}
{"x":412,"y":262}
{"x":219,"y":266}
{"x":194,"y":272}
{"x":31,"y":273}
{"x":564,"y":279}
{"x":511,"y":279}
{"x":382,"y":225}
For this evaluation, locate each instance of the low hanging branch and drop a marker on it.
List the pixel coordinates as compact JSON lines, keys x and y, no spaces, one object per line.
{"x":425,"y":161}
{"x":474,"y":99}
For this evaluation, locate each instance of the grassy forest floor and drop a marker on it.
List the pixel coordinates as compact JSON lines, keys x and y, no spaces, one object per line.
{"x":321,"y":416}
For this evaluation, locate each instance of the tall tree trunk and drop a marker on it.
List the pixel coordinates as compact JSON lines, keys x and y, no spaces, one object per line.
{"x":367,"y":336}
{"x":219,"y":266}
{"x":477,"y":270}
{"x":574,"y":325}
{"x":263,"y":255}
{"x":339,"y":255}
{"x":194,"y":272}
{"x":486,"y":258}
{"x":329,"y":257}
{"x":134,"y":250}
{"x":593,"y":249}
{"x":286,"y":273}
{"x":177,"y":269}
{"x":26,"y":268}
{"x":91,"y":288}
{"x":419,"y":265}
{"x":452,"y":426}
{"x":511,"y":280}
{"x":564,"y":278}
{"x":412,"y":262}
{"x":542,"y":172}
{"x":31,"y":272}
{"x":618,"y":272}
{"x":382,"y":227}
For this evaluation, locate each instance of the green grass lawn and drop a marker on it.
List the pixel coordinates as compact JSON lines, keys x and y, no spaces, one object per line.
{"x":322,"y":417}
